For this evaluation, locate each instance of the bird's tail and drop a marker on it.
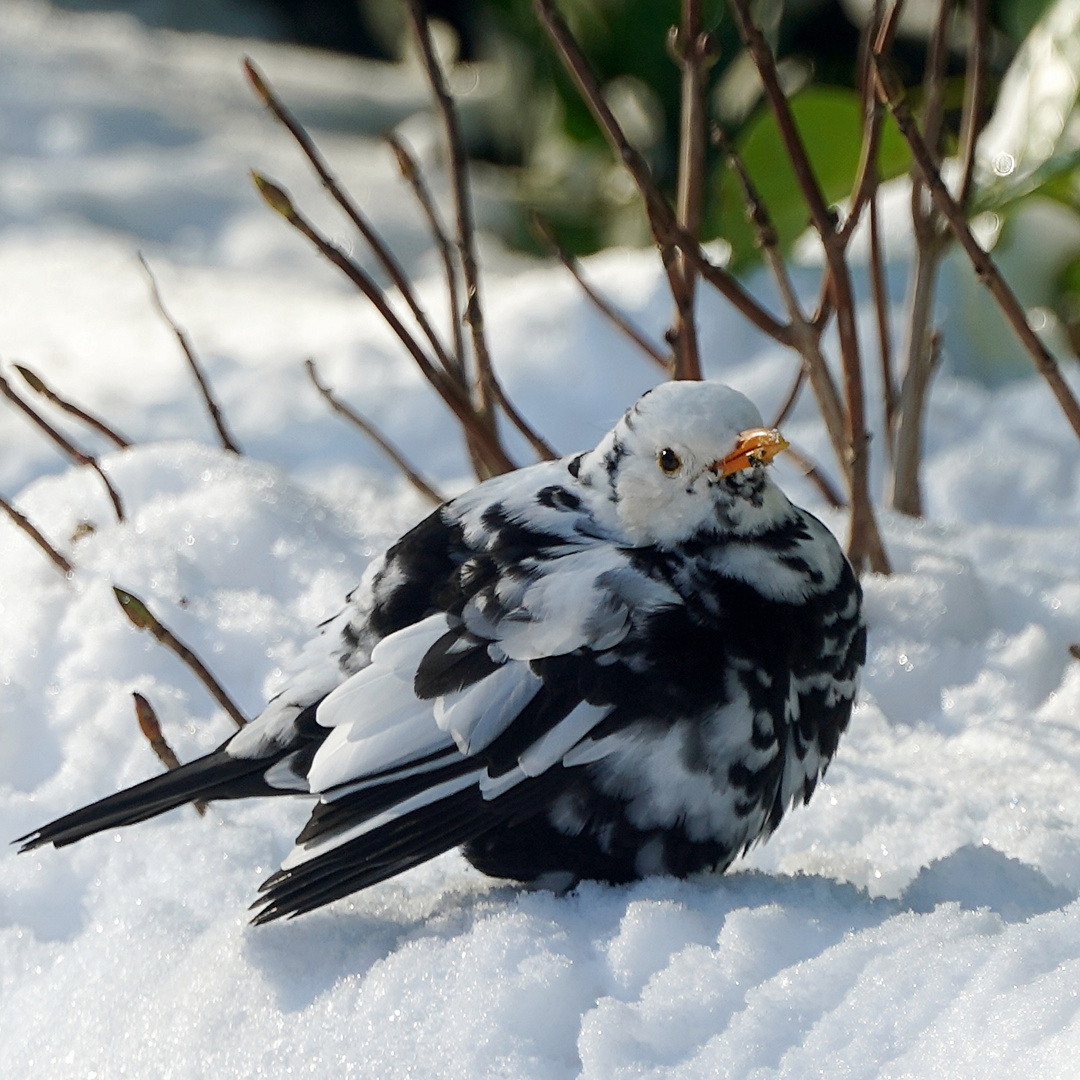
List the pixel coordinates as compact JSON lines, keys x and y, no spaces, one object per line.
{"x":218,"y":775}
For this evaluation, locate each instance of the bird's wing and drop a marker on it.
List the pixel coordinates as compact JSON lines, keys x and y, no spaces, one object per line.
{"x":460,"y":718}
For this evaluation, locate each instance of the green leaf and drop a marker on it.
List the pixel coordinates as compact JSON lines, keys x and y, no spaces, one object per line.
{"x":830,"y":122}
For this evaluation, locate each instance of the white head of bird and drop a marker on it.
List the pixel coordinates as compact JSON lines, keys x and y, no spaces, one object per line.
{"x":689,"y":459}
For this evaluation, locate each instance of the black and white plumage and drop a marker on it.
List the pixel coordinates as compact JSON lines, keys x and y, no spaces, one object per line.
{"x":627,"y":662}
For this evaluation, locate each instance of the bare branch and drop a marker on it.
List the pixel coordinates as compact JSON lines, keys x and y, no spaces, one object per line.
{"x":694,"y":52}
{"x":817,"y":478}
{"x":466,"y":226}
{"x":666,"y":230}
{"x":764,"y":230}
{"x":216,"y":415}
{"x":62,"y":441}
{"x":879,"y":292}
{"x":449,"y":389}
{"x":150,"y":726}
{"x":39,"y":386}
{"x":144,"y":619}
{"x":893,"y":94}
{"x":792,"y":397}
{"x":973,"y":118}
{"x":21,"y":521}
{"x":411,"y":172}
{"x":865,"y":546}
{"x":330,"y":182}
{"x":375,"y":436}
{"x":617,"y":319}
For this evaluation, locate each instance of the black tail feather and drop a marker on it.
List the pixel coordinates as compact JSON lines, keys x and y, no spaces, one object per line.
{"x":218,"y":775}
{"x":397,"y":846}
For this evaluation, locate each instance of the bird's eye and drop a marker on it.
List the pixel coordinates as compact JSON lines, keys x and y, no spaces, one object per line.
{"x":669,"y":461}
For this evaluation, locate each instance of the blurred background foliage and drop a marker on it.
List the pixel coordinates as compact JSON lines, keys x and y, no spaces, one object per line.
{"x":539,"y":133}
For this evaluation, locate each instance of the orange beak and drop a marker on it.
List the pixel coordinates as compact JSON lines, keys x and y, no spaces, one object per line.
{"x":758,"y":446}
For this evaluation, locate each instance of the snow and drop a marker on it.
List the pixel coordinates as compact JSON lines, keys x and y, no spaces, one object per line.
{"x":919,"y":918}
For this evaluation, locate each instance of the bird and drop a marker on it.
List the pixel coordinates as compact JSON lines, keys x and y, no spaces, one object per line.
{"x":626,"y":662}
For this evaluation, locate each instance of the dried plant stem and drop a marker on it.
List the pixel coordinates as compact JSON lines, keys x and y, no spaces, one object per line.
{"x":448,"y":388}
{"x":65,"y":444}
{"x":972,"y":118}
{"x":662,"y":221}
{"x":39,"y":386}
{"x":817,"y":478}
{"x":375,"y":436}
{"x":143,"y":618}
{"x":892,"y":92}
{"x":21,"y":521}
{"x":880,"y":294}
{"x":378,"y":246}
{"x":792,"y":397}
{"x":483,"y":383}
{"x":216,"y":415}
{"x":616,"y":317}
{"x":411,"y":172}
{"x":865,"y":547}
{"x":150,"y":726}
{"x":693,"y":52}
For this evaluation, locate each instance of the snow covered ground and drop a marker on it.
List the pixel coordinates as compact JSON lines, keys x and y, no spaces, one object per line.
{"x":919,"y":918}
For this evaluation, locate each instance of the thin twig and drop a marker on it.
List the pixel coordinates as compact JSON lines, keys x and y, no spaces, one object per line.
{"x":411,"y":172}
{"x":817,"y":478}
{"x":865,"y":546}
{"x":143,"y":618}
{"x":375,"y":436}
{"x":150,"y":726}
{"x":447,"y":388}
{"x":39,"y":386}
{"x":972,"y":118}
{"x":330,"y":182}
{"x":792,"y":397}
{"x":21,"y":521}
{"x":666,"y":230}
{"x":605,"y":307}
{"x":62,"y":441}
{"x":216,"y":415}
{"x":986,"y":271}
{"x":764,"y":231}
{"x":880,"y":294}
{"x":459,"y":177}
{"x":694,"y":52}
{"x":879,"y":36}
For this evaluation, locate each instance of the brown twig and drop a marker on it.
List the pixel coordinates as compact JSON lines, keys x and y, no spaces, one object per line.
{"x":411,"y":172}
{"x":972,"y":118}
{"x":764,"y":231}
{"x":330,"y":182}
{"x":865,"y":546}
{"x":617,"y":318}
{"x":880,"y":294}
{"x":448,"y":388}
{"x":216,"y":415}
{"x":62,"y":441}
{"x":817,"y":478}
{"x":792,"y":396}
{"x":483,"y":383}
{"x":694,"y":52}
{"x":143,"y":618}
{"x":986,"y":271}
{"x":665,"y":228}
{"x":375,"y":436}
{"x":39,"y":386}
{"x":150,"y":726}
{"x":21,"y":521}
{"x":879,"y":35}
